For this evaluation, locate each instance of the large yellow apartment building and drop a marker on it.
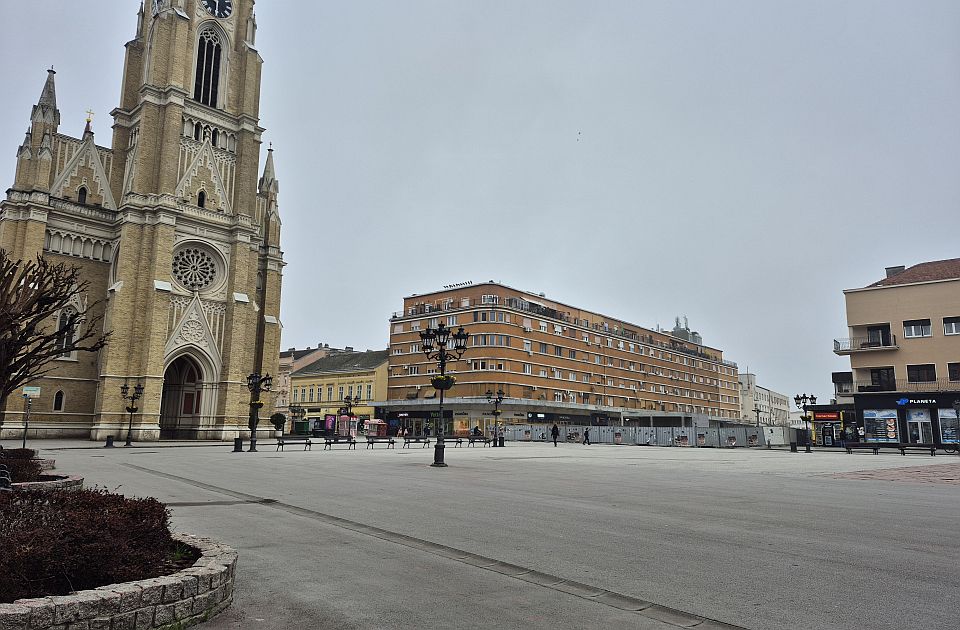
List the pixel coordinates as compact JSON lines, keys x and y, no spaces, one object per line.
{"x":321,"y":387}
{"x":555,"y":363}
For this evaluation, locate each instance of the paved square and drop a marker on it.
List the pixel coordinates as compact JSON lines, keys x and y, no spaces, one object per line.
{"x":532,"y":536}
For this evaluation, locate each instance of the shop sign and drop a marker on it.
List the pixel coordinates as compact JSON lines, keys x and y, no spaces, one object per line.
{"x":461,"y":413}
{"x":826,"y":415}
{"x":916,"y":401}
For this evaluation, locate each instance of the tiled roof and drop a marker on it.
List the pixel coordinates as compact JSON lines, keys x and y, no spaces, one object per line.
{"x":296,"y":354}
{"x":345,"y":362}
{"x":924,"y":272}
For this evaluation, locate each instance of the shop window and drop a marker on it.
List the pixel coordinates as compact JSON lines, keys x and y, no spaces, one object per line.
{"x":916,"y":328}
{"x":924,"y":373}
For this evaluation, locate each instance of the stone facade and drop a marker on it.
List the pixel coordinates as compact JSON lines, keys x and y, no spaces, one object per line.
{"x":177,"y":236}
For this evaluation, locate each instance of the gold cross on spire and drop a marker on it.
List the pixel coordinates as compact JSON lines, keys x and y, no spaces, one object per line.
{"x":89,"y":116}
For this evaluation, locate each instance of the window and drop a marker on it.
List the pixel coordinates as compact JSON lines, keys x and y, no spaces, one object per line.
{"x":369,"y":391}
{"x":311,"y":394}
{"x":433,"y":322}
{"x":921,"y":373}
{"x":82,"y":195}
{"x":573,"y":354}
{"x":951,"y":325}
{"x":490,"y":299}
{"x":527,"y":368}
{"x":543,"y":348}
{"x":954,"y":371}
{"x":916,"y":328}
{"x":543,"y":326}
{"x":340,"y":392}
{"x":479,"y":365}
{"x":558,"y":351}
{"x":527,"y":345}
{"x":58,"y":401}
{"x":207,"y":81}
{"x":543,"y":372}
{"x":414,"y":347}
{"x":65,"y":332}
{"x":411,"y":369}
{"x":415,"y":326}
{"x":558,"y":396}
{"x":350,"y":391}
{"x":329,"y":392}
{"x":398,"y":328}
{"x":451,"y":320}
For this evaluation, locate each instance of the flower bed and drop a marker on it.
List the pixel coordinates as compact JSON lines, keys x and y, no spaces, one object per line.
{"x":51,"y":482}
{"x":182,"y":599}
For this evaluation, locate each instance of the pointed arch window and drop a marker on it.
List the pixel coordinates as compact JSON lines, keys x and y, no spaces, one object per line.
{"x":202,"y":199}
{"x":58,"y":401}
{"x":65,"y":332}
{"x":209,"y":55}
{"x":82,"y":195}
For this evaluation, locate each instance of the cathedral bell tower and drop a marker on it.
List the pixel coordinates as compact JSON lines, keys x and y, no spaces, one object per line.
{"x":174,"y":226}
{"x":194,"y":301}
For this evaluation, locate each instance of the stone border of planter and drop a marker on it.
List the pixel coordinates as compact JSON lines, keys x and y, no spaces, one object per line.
{"x":46,"y":464}
{"x":66,"y":482}
{"x":182,"y":599}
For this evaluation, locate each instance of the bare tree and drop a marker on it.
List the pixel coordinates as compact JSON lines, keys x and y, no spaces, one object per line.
{"x":42,"y":317}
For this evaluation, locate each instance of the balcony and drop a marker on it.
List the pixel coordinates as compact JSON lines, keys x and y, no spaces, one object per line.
{"x":903,"y":385}
{"x":853,"y":345}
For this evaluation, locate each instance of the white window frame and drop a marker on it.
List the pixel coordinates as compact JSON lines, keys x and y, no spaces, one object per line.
{"x":908,"y":331}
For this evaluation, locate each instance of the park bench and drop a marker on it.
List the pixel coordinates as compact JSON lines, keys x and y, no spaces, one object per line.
{"x":932,"y":448}
{"x":416,"y":440}
{"x":307,"y":444}
{"x":373,"y":439}
{"x":479,"y":438}
{"x":6,"y":483}
{"x":851,"y":446}
{"x":332,"y":440}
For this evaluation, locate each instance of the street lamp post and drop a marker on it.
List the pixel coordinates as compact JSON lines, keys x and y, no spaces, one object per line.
{"x":495,"y":401}
{"x":435,"y":343}
{"x":757,"y":411}
{"x":133,"y":397}
{"x":801,"y":400}
{"x":256,"y":384}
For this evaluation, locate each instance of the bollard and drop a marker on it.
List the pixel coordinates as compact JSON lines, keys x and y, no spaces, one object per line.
{"x":237,"y":445}
{"x":109,"y":443}
{"x":793,"y":447}
{"x":501,"y":440}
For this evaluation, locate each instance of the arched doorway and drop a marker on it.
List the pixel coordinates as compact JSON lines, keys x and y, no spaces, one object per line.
{"x":183,"y":399}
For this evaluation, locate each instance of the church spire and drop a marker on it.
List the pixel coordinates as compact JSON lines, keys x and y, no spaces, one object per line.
{"x":46,"y":108}
{"x":269,"y":183}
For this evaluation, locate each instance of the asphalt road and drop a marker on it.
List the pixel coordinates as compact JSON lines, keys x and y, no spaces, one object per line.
{"x":378,"y":539}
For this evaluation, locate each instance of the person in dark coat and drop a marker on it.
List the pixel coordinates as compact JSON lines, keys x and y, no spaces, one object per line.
{"x":555,"y":433}
{"x":586,"y":436}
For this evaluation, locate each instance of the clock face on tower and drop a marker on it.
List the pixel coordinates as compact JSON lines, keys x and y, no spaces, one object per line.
{"x":218,"y":8}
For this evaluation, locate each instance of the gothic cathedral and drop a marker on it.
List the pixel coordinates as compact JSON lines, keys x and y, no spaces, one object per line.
{"x":176,"y":235}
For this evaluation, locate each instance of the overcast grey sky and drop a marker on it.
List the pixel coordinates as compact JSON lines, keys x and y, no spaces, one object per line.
{"x":737,"y":162}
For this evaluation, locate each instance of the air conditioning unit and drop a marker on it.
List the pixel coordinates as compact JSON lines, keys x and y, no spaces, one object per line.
{"x":527,"y":329}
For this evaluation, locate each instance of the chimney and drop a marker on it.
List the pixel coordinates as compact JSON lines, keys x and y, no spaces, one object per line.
{"x":348,"y":349}
{"x":892,"y":271}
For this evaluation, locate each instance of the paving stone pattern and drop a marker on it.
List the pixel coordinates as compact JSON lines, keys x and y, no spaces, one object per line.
{"x":939,"y":473}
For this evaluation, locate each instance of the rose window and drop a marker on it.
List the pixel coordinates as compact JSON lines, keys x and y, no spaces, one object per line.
{"x":194,"y":268}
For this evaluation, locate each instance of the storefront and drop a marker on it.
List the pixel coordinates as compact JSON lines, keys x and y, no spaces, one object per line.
{"x":927,"y":418}
{"x":833,"y":425}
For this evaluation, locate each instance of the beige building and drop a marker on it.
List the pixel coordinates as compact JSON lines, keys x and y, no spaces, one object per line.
{"x":904,"y":347}
{"x":555,"y":363}
{"x":321,"y":387}
{"x":290,"y":361}
{"x":177,"y":235}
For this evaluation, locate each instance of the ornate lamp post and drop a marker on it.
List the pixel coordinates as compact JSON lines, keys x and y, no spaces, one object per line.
{"x":435,"y":343}
{"x":133,"y":397}
{"x":801,"y":400}
{"x":297,"y":412}
{"x":495,"y":401}
{"x":256,"y":384}
{"x":348,"y":405}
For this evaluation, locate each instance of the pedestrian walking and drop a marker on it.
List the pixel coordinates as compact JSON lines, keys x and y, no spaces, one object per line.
{"x":555,"y":433}
{"x":586,"y":436}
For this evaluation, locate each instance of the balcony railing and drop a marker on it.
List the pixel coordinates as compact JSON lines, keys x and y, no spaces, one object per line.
{"x":864,"y":344}
{"x":903,"y":385}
